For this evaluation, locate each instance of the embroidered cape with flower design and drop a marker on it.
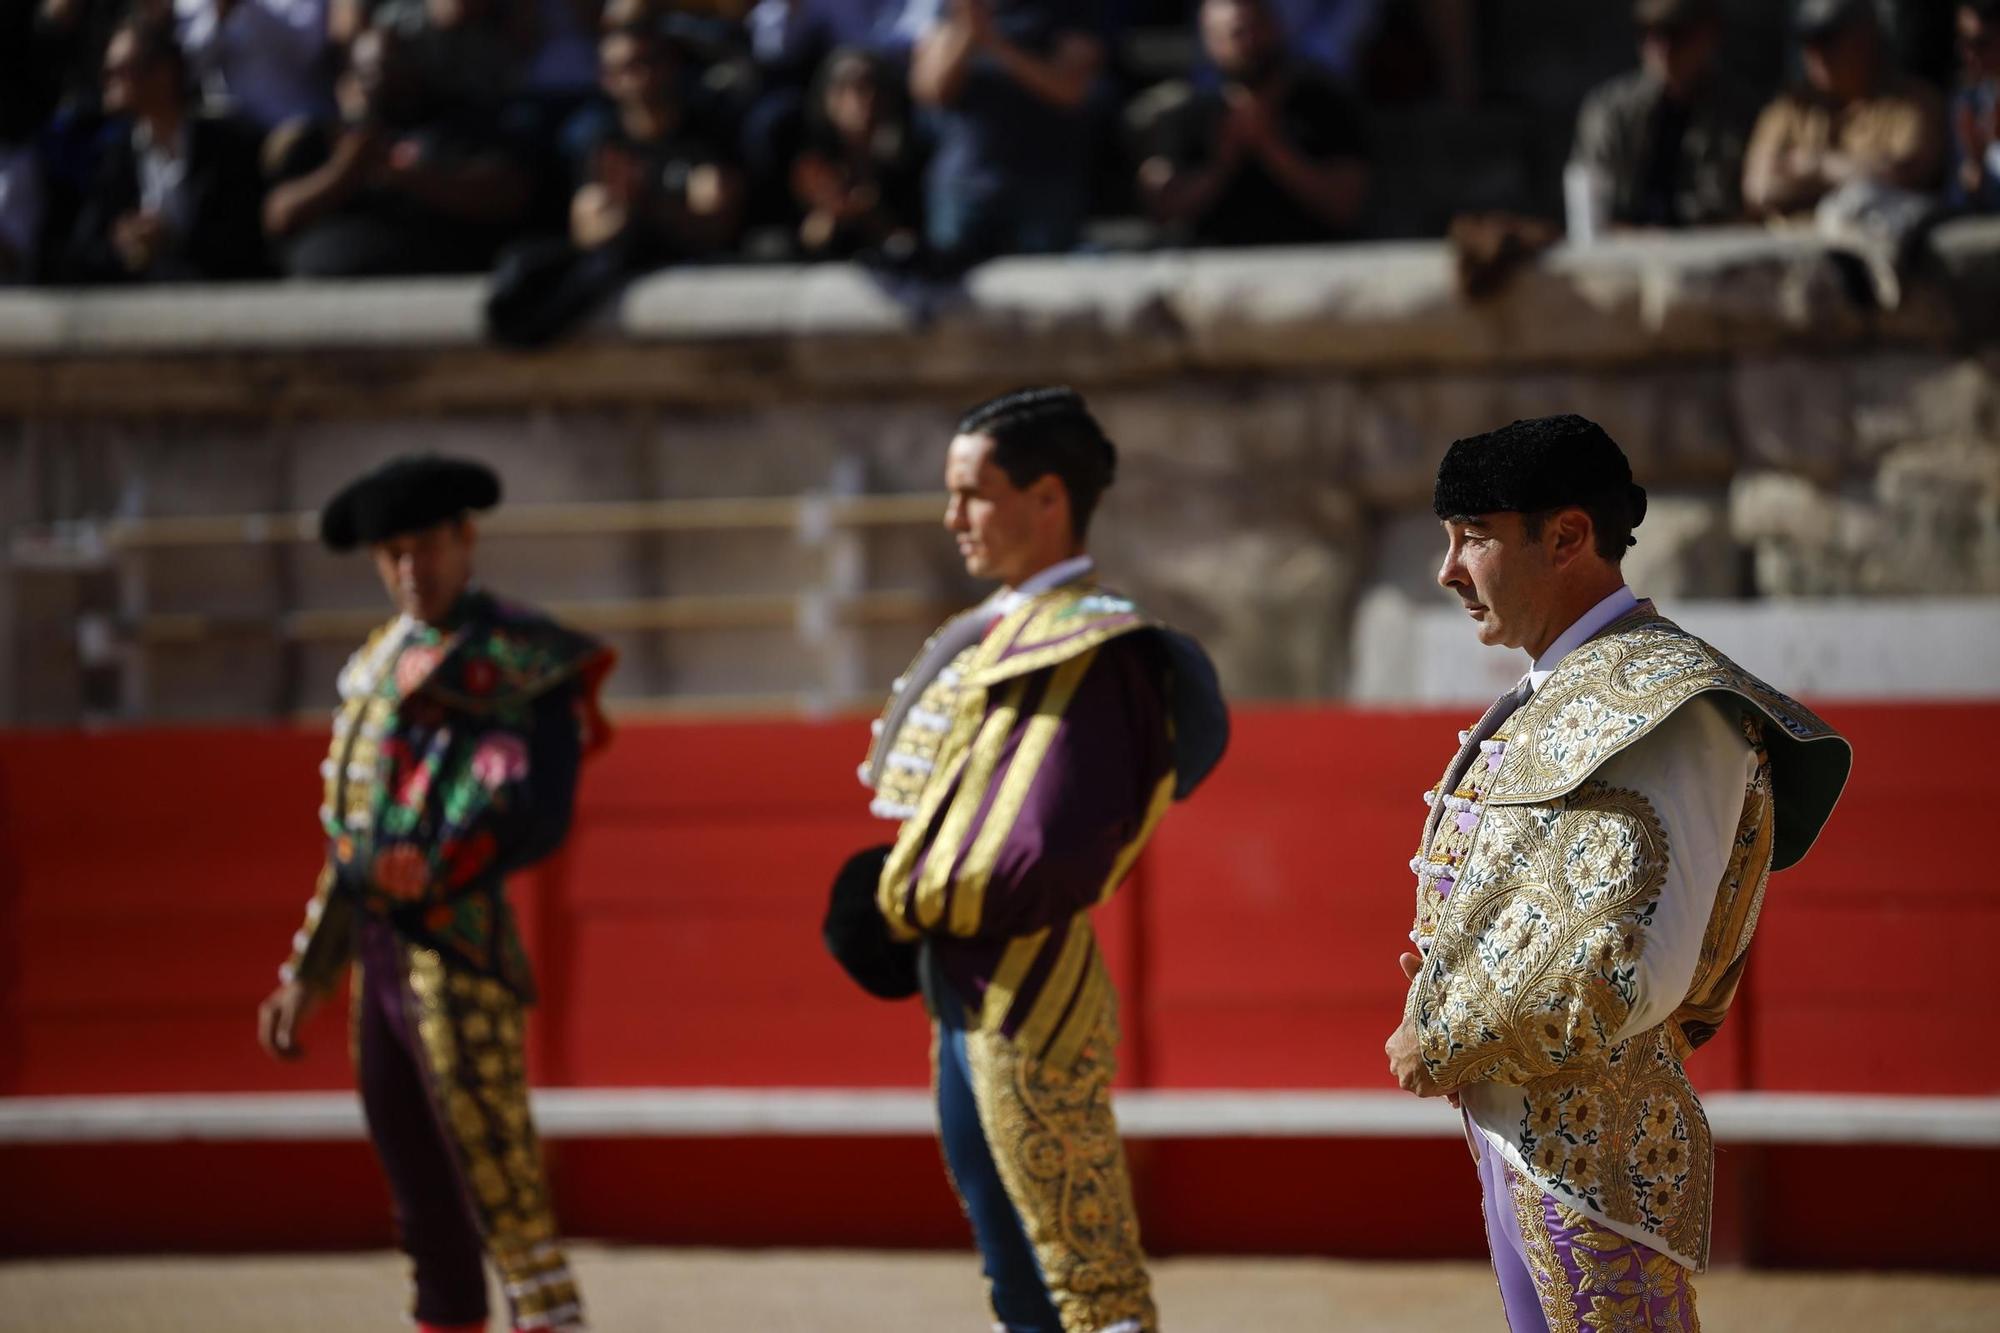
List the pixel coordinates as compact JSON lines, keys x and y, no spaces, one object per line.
{"x":454,"y":763}
{"x":1540,"y":889}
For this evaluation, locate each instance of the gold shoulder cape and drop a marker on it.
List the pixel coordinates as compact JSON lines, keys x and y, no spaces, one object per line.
{"x":1613,"y":691}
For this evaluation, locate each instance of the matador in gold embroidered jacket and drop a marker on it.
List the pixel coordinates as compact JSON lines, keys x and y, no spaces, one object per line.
{"x":1029,"y":757}
{"x":1588,"y":882}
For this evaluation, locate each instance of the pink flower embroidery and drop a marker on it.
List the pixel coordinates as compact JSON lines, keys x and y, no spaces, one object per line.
{"x":414,"y":667}
{"x":416,"y":785}
{"x":500,"y":759}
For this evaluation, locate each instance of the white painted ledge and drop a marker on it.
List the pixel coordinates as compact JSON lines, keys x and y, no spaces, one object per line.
{"x":1826,"y":650}
{"x":607,"y":1113}
{"x":1370,"y":304}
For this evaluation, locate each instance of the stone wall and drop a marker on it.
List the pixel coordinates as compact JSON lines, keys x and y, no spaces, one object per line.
{"x":1278,"y":414}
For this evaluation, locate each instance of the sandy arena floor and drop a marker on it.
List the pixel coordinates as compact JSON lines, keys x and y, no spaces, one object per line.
{"x":834,"y":1292}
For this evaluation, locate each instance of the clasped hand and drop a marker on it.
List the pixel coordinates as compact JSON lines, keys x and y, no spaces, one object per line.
{"x":1406,"y":1056}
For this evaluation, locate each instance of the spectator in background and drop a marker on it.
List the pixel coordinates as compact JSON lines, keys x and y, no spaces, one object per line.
{"x":859,"y":182}
{"x":462,"y":50}
{"x":70,"y":38}
{"x":1010,"y":85}
{"x":1665,"y":143}
{"x":658,"y":185}
{"x":1275,"y":156}
{"x":406,"y":182}
{"x":1975,"y":109}
{"x":1857,"y":121}
{"x":263,"y":61}
{"x":177,"y":193}
{"x":790,"y":42}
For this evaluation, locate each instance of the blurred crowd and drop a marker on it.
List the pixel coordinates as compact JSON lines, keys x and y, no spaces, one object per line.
{"x":569,"y":143}
{"x":1679,"y":142}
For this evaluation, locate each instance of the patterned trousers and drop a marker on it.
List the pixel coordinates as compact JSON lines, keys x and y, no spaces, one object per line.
{"x":1560,"y":1272}
{"x":1034,"y":1153}
{"x":439,"y":1056}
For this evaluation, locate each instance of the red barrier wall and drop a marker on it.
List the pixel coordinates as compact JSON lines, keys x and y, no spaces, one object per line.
{"x":152,"y":879}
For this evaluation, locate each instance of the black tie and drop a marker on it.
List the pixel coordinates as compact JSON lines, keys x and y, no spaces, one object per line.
{"x":1502,"y":708}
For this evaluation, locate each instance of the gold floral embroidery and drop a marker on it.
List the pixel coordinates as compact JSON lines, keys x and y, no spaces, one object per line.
{"x":1598,"y":1272}
{"x":1055,"y":1142}
{"x":1533,"y":970}
{"x":1615,"y":1316}
{"x":1627,"y":1287}
{"x":1617,"y":688}
{"x":1501,"y":997}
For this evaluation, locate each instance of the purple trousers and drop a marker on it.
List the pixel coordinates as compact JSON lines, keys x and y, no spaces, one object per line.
{"x":1560,"y":1272}
{"x":439,"y":1059}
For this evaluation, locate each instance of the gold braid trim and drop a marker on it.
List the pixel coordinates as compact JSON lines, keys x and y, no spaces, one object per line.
{"x":1544,"y":1264}
{"x":1055,"y":1143}
{"x":929,"y":891}
{"x":1059,"y":624}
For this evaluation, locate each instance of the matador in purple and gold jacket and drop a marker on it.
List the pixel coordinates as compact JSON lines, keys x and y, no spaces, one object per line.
{"x":1029,"y":754}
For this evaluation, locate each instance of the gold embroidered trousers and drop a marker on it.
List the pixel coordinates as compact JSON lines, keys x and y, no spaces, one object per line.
{"x":1034,"y":1153}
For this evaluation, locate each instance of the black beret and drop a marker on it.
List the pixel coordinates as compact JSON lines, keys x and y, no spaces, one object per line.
{"x":406,"y":494}
{"x":1533,"y":465}
{"x":858,"y":937}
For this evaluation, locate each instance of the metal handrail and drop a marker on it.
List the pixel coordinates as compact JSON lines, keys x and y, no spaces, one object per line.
{"x":694,"y":612}
{"x":549,"y":520}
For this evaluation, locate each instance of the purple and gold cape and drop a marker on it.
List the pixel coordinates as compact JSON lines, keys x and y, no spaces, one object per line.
{"x":1031,"y":773}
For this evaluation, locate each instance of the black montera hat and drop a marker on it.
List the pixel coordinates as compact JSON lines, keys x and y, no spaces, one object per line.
{"x":1529,"y":466}
{"x":406,"y":494}
{"x":858,"y":937}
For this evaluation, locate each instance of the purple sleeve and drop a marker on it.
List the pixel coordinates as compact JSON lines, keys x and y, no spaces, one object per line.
{"x":1090,"y":798}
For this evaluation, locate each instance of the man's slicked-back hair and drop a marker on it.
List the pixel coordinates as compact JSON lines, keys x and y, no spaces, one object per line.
{"x":1036,"y":432}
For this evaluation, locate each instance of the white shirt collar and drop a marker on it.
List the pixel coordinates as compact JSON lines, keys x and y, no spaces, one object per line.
{"x":143,"y":140}
{"x":1586,"y":627}
{"x":1008,"y":600}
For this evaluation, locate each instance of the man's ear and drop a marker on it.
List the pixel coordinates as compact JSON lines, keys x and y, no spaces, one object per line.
{"x":1050,"y":493}
{"x":1572,"y":535}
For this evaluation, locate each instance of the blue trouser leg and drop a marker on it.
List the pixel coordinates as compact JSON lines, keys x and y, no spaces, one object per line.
{"x":1020,"y":1298}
